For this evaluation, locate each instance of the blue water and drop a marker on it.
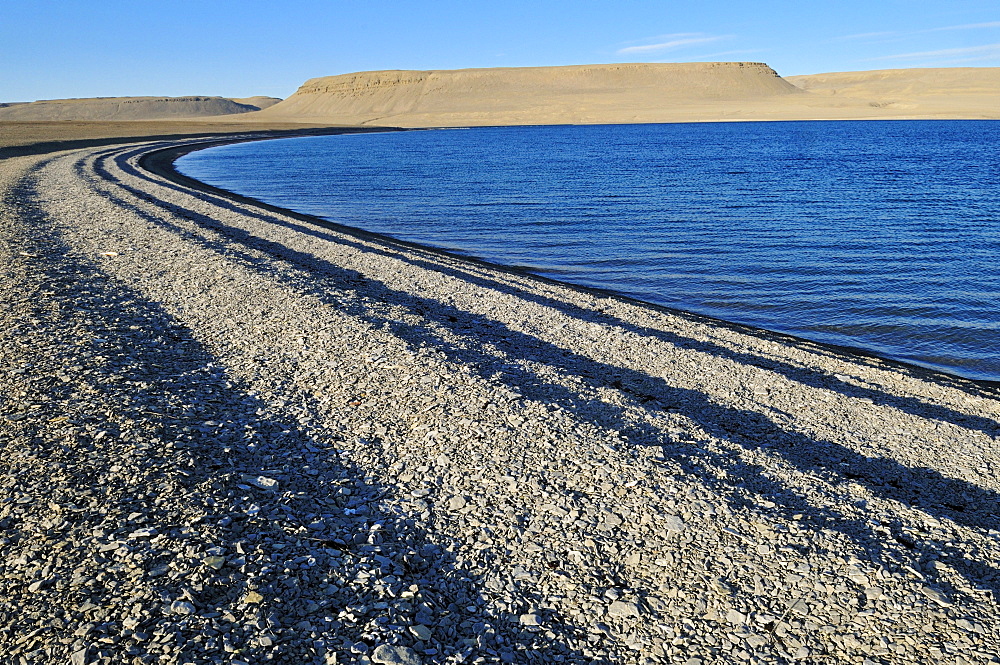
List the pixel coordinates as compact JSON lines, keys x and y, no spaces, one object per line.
{"x":878,"y":235}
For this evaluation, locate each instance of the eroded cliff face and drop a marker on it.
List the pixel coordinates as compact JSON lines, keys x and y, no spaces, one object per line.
{"x":675,"y":77}
{"x":583,"y":93}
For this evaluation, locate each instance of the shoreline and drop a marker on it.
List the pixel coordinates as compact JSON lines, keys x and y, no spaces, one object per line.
{"x":229,"y":431}
{"x":162,"y":162}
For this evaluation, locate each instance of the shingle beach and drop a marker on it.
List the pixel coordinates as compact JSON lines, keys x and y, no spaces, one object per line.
{"x":230,"y":434}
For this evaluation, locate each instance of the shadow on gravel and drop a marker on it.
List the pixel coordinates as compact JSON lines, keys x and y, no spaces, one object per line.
{"x":314,"y":227}
{"x":744,"y":484}
{"x":329,"y":562}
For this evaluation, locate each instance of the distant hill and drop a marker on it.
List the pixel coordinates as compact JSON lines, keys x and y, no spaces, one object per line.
{"x":530,"y":95}
{"x":970,"y":92}
{"x":258,"y":102}
{"x":132,"y":108}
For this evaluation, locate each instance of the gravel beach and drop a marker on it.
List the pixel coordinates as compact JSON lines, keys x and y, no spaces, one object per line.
{"x":233,"y":435}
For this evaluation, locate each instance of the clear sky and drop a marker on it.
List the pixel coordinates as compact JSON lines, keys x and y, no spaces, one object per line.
{"x":74,"y":48}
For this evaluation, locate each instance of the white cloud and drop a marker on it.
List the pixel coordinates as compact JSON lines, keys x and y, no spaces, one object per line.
{"x":891,"y":35}
{"x":673,"y":42}
{"x":985,"y":52}
{"x":970,"y":26}
{"x":898,"y":36}
{"x":867,"y":35}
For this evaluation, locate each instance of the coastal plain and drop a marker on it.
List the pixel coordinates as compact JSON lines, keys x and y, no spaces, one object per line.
{"x":236,"y":434}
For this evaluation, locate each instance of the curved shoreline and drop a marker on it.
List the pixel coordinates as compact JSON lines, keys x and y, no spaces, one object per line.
{"x":162,"y":162}
{"x":228,"y":431}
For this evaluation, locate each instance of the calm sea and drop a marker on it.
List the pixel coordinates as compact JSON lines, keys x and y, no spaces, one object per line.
{"x":879,"y":235}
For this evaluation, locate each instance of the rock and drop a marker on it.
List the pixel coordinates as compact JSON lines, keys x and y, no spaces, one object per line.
{"x":386,"y":654}
{"x":261,"y":482}
{"x":456,"y":503}
{"x":148,"y":532}
{"x":936,"y":596}
{"x":214,"y":562}
{"x":421,"y":632}
{"x":621,"y":608}
{"x":529,"y":620}
{"x":736,"y":617}
{"x":182,"y":607}
{"x":673,"y":523}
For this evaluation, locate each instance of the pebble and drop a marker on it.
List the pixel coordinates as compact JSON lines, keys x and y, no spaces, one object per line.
{"x":936,"y":596}
{"x":395,"y":655}
{"x":214,"y":562}
{"x":421,"y":632}
{"x":181,"y":607}
{"x":673,"y":523}
{"x":623,"y":609}
{"x":261,"y":482}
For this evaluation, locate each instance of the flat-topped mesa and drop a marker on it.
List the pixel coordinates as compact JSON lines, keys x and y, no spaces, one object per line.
{"x":640,"y":92}
{"x":130,"y":108}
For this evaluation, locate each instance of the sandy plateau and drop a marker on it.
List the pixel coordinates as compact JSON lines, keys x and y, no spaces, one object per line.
{"x":233,"y":434}
{"x":631,"y":93}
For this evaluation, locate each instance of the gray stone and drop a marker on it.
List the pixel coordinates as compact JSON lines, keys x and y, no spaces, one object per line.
{"x":936,"y":596}
{"x":673,"y":523}
{"x":181,"y":607}
{"x":261,"y":482}
{"x":736,"y":617}
{"x":421,"y":632}
{"x":386,"y":654}
{"x":214,"y":562}
{"x":621,"y":608}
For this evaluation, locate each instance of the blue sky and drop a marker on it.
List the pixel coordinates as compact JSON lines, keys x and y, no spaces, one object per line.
{"x":69,"y":48}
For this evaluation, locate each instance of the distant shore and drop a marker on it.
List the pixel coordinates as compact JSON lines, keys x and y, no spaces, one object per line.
{"x":229,"y":430}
